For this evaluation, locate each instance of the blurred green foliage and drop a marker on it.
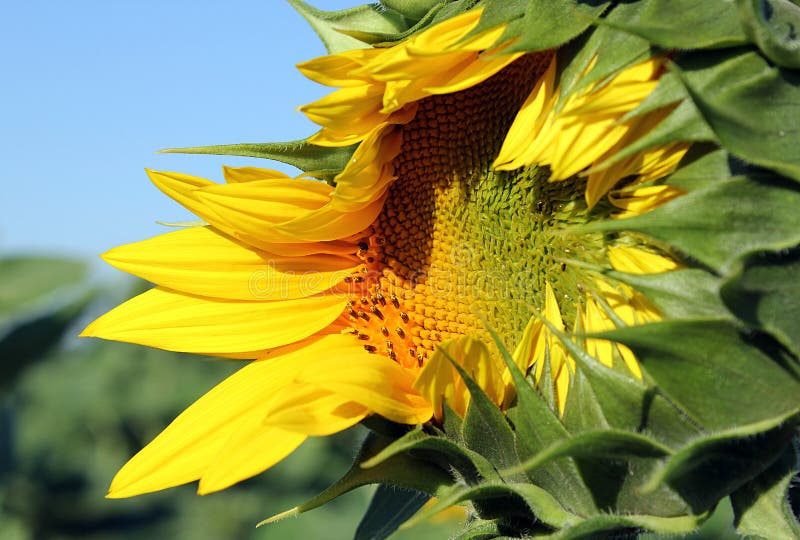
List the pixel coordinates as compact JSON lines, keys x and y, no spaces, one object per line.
{"x":72,"y":412}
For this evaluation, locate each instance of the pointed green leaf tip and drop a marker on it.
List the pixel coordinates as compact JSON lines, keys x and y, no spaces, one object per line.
{"x":318,"y":161}
{"x":332,"y":27}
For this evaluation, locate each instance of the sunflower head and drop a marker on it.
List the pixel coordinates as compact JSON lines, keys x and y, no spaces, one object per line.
{"x":534,"y":256}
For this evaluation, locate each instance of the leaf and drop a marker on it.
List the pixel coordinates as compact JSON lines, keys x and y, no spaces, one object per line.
{"x":606,"y":444}
{"x":625,"y":526}
{"x":753,"y":107}
{"x":537,"y":427}
{"x":620,"y":50}
{"x":714,"y":466}
{"x":320,"y":161}
{"x":537,"y":500}
{"x":412,"y":9}
{"x":721,"y":223}
{"x":712,"y":372}
{"x":683,"y":24}
{"x":486,"y":430}
{"x":329,"y":24}
{"x":547,"y":24}
{"x":765,"y":293}
{"x":772,"y":25}
{"x":401,"y":470}
{"x":761,"y":506}
{"x":389,"y":508}
{"x":680,"y":294}
{"x":470,"y":465}
{"x":701,"y":167}
{"x":497,"y":12}
{"x":27,"y":281}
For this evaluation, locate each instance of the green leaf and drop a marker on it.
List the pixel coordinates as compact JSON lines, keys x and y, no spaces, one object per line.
{"x":684,"y":123}
{"x":713,"y":466}
{"x":765,"y":293}
{"x":497,"y":12}
{"x":443,"y":452}
{"x":320,"y":161}
{"x":682,"y":24}
{"x":484,"y":530}
{"x":550,"y":23}
{"x":389,"y":508}
{"x":761,"y":506}
{"x":400,"y":470}
{"x":412,"y":9}
{"x":329,"y":24}
{"x":608,"y":444}
{"x":626,"y":526}
{"x":27,"y":281}
{"x":721,"y":223}
{"x":680,"y":294}
{"x":701,"y":167}
{"x":620,"y":50}
{"x":773,"y":25}
{"x":712,"y":372}
{"x":536,"y":428}
{"x":752,"y":106}
{"x":536,"y":500}
{"x":486,"y":430}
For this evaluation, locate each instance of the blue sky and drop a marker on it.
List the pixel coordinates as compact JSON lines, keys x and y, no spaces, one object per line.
{"x":92,"y":89}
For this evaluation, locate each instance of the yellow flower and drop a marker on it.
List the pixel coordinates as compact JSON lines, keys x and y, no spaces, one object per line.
{"x":353,"y":299}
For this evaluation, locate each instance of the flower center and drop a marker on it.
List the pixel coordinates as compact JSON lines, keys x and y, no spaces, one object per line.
{"x":457,"y":242}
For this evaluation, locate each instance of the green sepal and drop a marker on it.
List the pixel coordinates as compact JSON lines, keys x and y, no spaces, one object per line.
{"x":761,"y":507}
{"x":701,"y":167}
{"x":683,"y":124}
{"x":400,"y":470}
{"x":680,"y":294}
{"x":484,"y":530}
{"x":772,"y":25}
{"x":471,"y":466}
{"x":713,"y":466}
{"x":669,"y":90}
{"x":486,"y":430}
{"x":723,"y":222}
{"x":619,"y":396}
{"x":497,"y":12}
{"x":538,"y":501}
{"x":548,"y":24}
{"x":411,"y":9}
{"x":582,"y":410}
{"x":752,"y":106}
{"x":536,"y":428}
{"x":612,"y":444}
{"x":388,"y":509}
{"x":575,"y":57}
{"x":714,"y":373}
{"x":765,"y":293}
{"x":319,"y":161}
{"x":452,"y":424}
{"x":682,"y":24}
{"x":627,"y":526}
{"x":331,"y":26}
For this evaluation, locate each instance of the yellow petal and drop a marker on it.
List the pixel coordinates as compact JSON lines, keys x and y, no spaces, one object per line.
{"x":194,"y":440}
{"x":635,"y":260}
{"x":201,"y":261}
{"x":340,"y":69}
{"x":250,"y":174}
{"x":439,"y":382}
{"x":310,"y":410}
{"x":166,"y":319}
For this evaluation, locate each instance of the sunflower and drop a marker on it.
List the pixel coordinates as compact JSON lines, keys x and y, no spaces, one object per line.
{"x":462,"y":209}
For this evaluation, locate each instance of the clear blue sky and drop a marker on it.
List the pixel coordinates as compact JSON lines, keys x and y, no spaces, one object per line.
{"x":92,"y":89}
